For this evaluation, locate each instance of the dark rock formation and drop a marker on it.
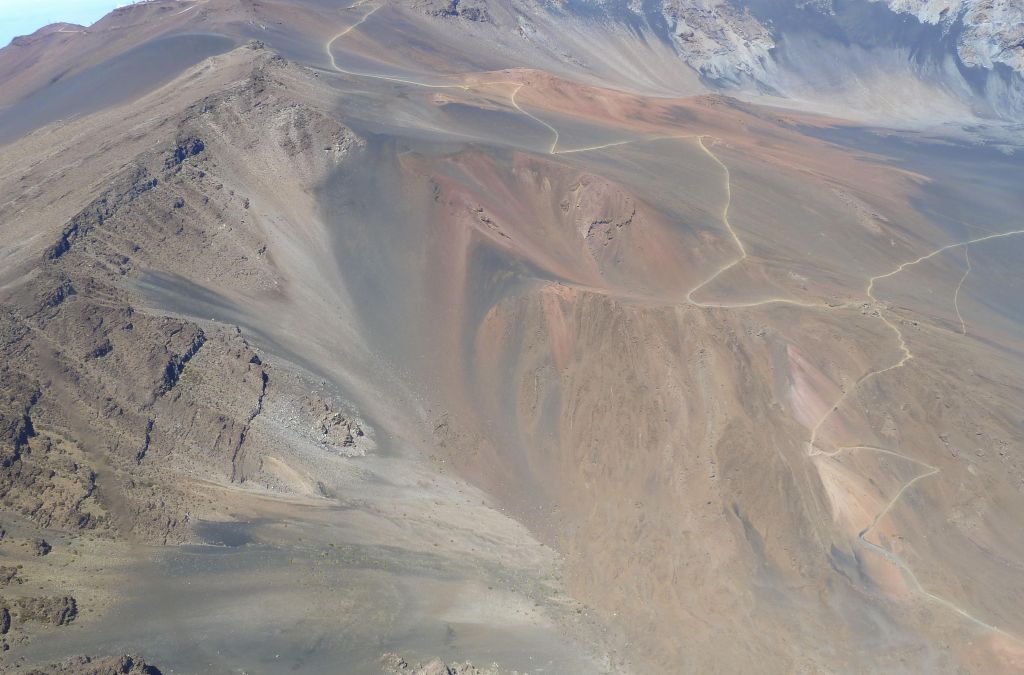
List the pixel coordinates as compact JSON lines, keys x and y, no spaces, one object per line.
{"x":9,"y":575}
{"x":473,"y":10}
{"x":337,"y":429}
{"x":52,"y":611}
{"x":124,"y":664}
{"x":130,"y":185}
{"x":186,"y":147}
{"x":393,"y":664}
{"x":176,"y":362}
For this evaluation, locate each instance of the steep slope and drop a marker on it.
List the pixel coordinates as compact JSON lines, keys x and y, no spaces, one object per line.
{"x":138,"y":414}
{"x":904,"y":64}
{"x":358,"y":339}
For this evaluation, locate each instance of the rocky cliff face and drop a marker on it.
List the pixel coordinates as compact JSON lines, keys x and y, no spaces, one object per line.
{"x":157,"y":389}
{"x":906,"y":61}
{"x":968,"y":50}
{"x":724,"y":43}
{"x":989,"y":32}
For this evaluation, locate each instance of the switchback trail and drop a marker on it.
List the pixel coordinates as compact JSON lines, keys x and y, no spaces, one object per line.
{"x":907,"y":355}
{"x":880,"y":308}
{"x":552,"y":149}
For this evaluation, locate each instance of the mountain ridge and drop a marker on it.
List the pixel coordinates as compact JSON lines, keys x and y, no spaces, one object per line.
{"x":491,"y":332}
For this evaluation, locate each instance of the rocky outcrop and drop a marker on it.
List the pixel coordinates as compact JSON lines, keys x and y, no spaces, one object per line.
{"x":17,"y":396}
{"x":35,"y":605}
{"x":337,"y":431}
{"x":132,"y":184}
{"x":157,"y":398}
{"x":187,"y":146}
{"x":237,"y":466}
{"x":722,"y":43}
{"x":40,"y":479}
{"x":124,"y":664}
{"x":469,"y":10}
{"x":990,"y":31}
{"x":9,"y":575}
{"x":176,"y":362}
{"x":970,"y":53}
{"x":393,"y":664}
{"x":52,"y":611}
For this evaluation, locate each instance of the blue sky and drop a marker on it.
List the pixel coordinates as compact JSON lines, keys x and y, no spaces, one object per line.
{"x":21,"y":17}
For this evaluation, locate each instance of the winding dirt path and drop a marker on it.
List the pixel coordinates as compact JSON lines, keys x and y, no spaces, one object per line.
{"x":881,"y":307}
{"x":728,"y":226}
{"x":191,"y":7}
{"x":374,"y":76}
{"x":554,"y":141}
{"x":907,"y":355}
{"x":956,"y":293}
{"x":552,"y":149}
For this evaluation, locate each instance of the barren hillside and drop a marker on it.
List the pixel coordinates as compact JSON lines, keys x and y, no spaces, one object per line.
{"x":493,"y":337}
